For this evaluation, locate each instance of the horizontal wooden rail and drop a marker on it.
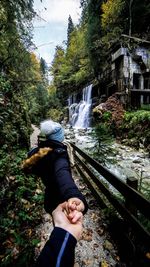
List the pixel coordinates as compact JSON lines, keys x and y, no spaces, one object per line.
{"x":123,"y":211}
{"x":142,"y":204}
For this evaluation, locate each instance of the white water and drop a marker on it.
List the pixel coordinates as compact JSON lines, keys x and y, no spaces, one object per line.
{"x":128,"y":161}
{"x":79,"y":113}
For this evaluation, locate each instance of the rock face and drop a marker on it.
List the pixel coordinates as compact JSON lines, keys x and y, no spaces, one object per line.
{"x":112,"y":105}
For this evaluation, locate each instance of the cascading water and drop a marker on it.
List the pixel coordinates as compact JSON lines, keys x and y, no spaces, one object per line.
{"x":79,"y":112}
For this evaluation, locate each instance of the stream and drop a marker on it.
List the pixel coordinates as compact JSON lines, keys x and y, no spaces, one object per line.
{"x":125,"y":161}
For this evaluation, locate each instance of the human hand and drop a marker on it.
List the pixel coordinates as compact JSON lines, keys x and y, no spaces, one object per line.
{"x":75,"y":203}
{"x":74,"y":207}
{"x":61,"y":219}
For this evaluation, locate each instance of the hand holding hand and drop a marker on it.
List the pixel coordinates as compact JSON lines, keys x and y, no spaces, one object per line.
{"x":75,"y":203}
{"x":74,"y":207}
{"x":62,"y":220}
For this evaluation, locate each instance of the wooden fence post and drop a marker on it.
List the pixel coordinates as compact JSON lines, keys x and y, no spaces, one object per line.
{"x":132,"y":182}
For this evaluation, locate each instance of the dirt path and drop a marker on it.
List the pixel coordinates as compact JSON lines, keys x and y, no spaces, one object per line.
{"x":95,"y":249}
{"x":33,"y":137}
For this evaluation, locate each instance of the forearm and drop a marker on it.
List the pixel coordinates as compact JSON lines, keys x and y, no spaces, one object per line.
{"x":58,"y":251}
{"x":65,"y":182}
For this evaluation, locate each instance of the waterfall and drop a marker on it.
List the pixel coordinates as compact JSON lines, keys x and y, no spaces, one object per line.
{"x":79,"y":112}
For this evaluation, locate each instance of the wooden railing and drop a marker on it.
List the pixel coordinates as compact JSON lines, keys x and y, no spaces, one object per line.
{"x":133,"y":202}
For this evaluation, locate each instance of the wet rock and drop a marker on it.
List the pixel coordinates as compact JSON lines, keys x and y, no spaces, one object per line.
{"x":137,"y":161}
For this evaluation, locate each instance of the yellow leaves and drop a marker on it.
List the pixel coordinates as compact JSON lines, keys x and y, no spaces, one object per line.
{"x":111,"y":10}
{"x":104,"y":264}
{"x":35,"y":69}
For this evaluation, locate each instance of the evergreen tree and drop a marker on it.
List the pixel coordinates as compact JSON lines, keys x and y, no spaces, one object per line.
{"x":84,"y":13}
{"x":94,"y":33}
{"x":43,"y":66}
{"x":69,"y":30}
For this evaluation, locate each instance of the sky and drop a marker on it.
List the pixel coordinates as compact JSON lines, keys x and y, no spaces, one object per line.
{"x":50,"y":27}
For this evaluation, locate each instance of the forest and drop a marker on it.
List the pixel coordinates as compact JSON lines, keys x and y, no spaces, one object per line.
{"x":27,"y":97}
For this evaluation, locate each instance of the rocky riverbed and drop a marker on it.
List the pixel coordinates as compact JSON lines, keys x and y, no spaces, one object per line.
{"x":125,"y":161}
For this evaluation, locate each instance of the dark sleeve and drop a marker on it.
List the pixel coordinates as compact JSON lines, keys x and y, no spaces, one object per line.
{"x":65,"y":182}
{"x":58,"y":251}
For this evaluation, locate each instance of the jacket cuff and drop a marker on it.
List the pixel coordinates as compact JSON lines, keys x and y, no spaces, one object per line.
{"x":60,"y":233}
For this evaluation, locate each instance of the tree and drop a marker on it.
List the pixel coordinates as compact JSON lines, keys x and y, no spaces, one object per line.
{"x":111,"y":11}
{"x":69,"y":30}
{"x":15,"y":25}
{"x":94,"y":33}
{"x":43,"y":66}
{"x":15,"y":62}
{"x":84,"y":13}
{"x":122,"y":16}
{"x":136,"y":9}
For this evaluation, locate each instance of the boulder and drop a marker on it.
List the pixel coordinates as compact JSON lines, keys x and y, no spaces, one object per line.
{"x":112,"y":105}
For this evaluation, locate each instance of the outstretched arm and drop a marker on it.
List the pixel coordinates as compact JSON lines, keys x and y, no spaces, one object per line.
{"x":65,"y":183}
{"x":59,"y":250}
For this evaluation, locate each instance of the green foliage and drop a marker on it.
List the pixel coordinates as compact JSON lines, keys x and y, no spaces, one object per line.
{"x":139,"y":9}
{"x":103,"y":137}
{"x":111,"y":11}
{"x":21,"y":204}
{"x":106,"y":116}
{"x":43,"y":66}
{"x":140,"y":122}
{"x":71,"y":68}
{"x":94,"y":33}
{"x":53,"y":99}
{"x":55,"y":114}
{"x":69,"y":30}
{"x":22,"y":80}
{"x":89,"y":43}
{"x":14,"y":120}
{"x":42,"y":100}
{"x":135,"y":117}
{"x":55,"y":108}
{"x":103,"y":133}
{"x":145,"y":107}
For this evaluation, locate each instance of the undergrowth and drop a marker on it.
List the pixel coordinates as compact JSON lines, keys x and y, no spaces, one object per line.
{"x":103,"y":137}
{"x":135,"y":128}
{"x":21,"y":203}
